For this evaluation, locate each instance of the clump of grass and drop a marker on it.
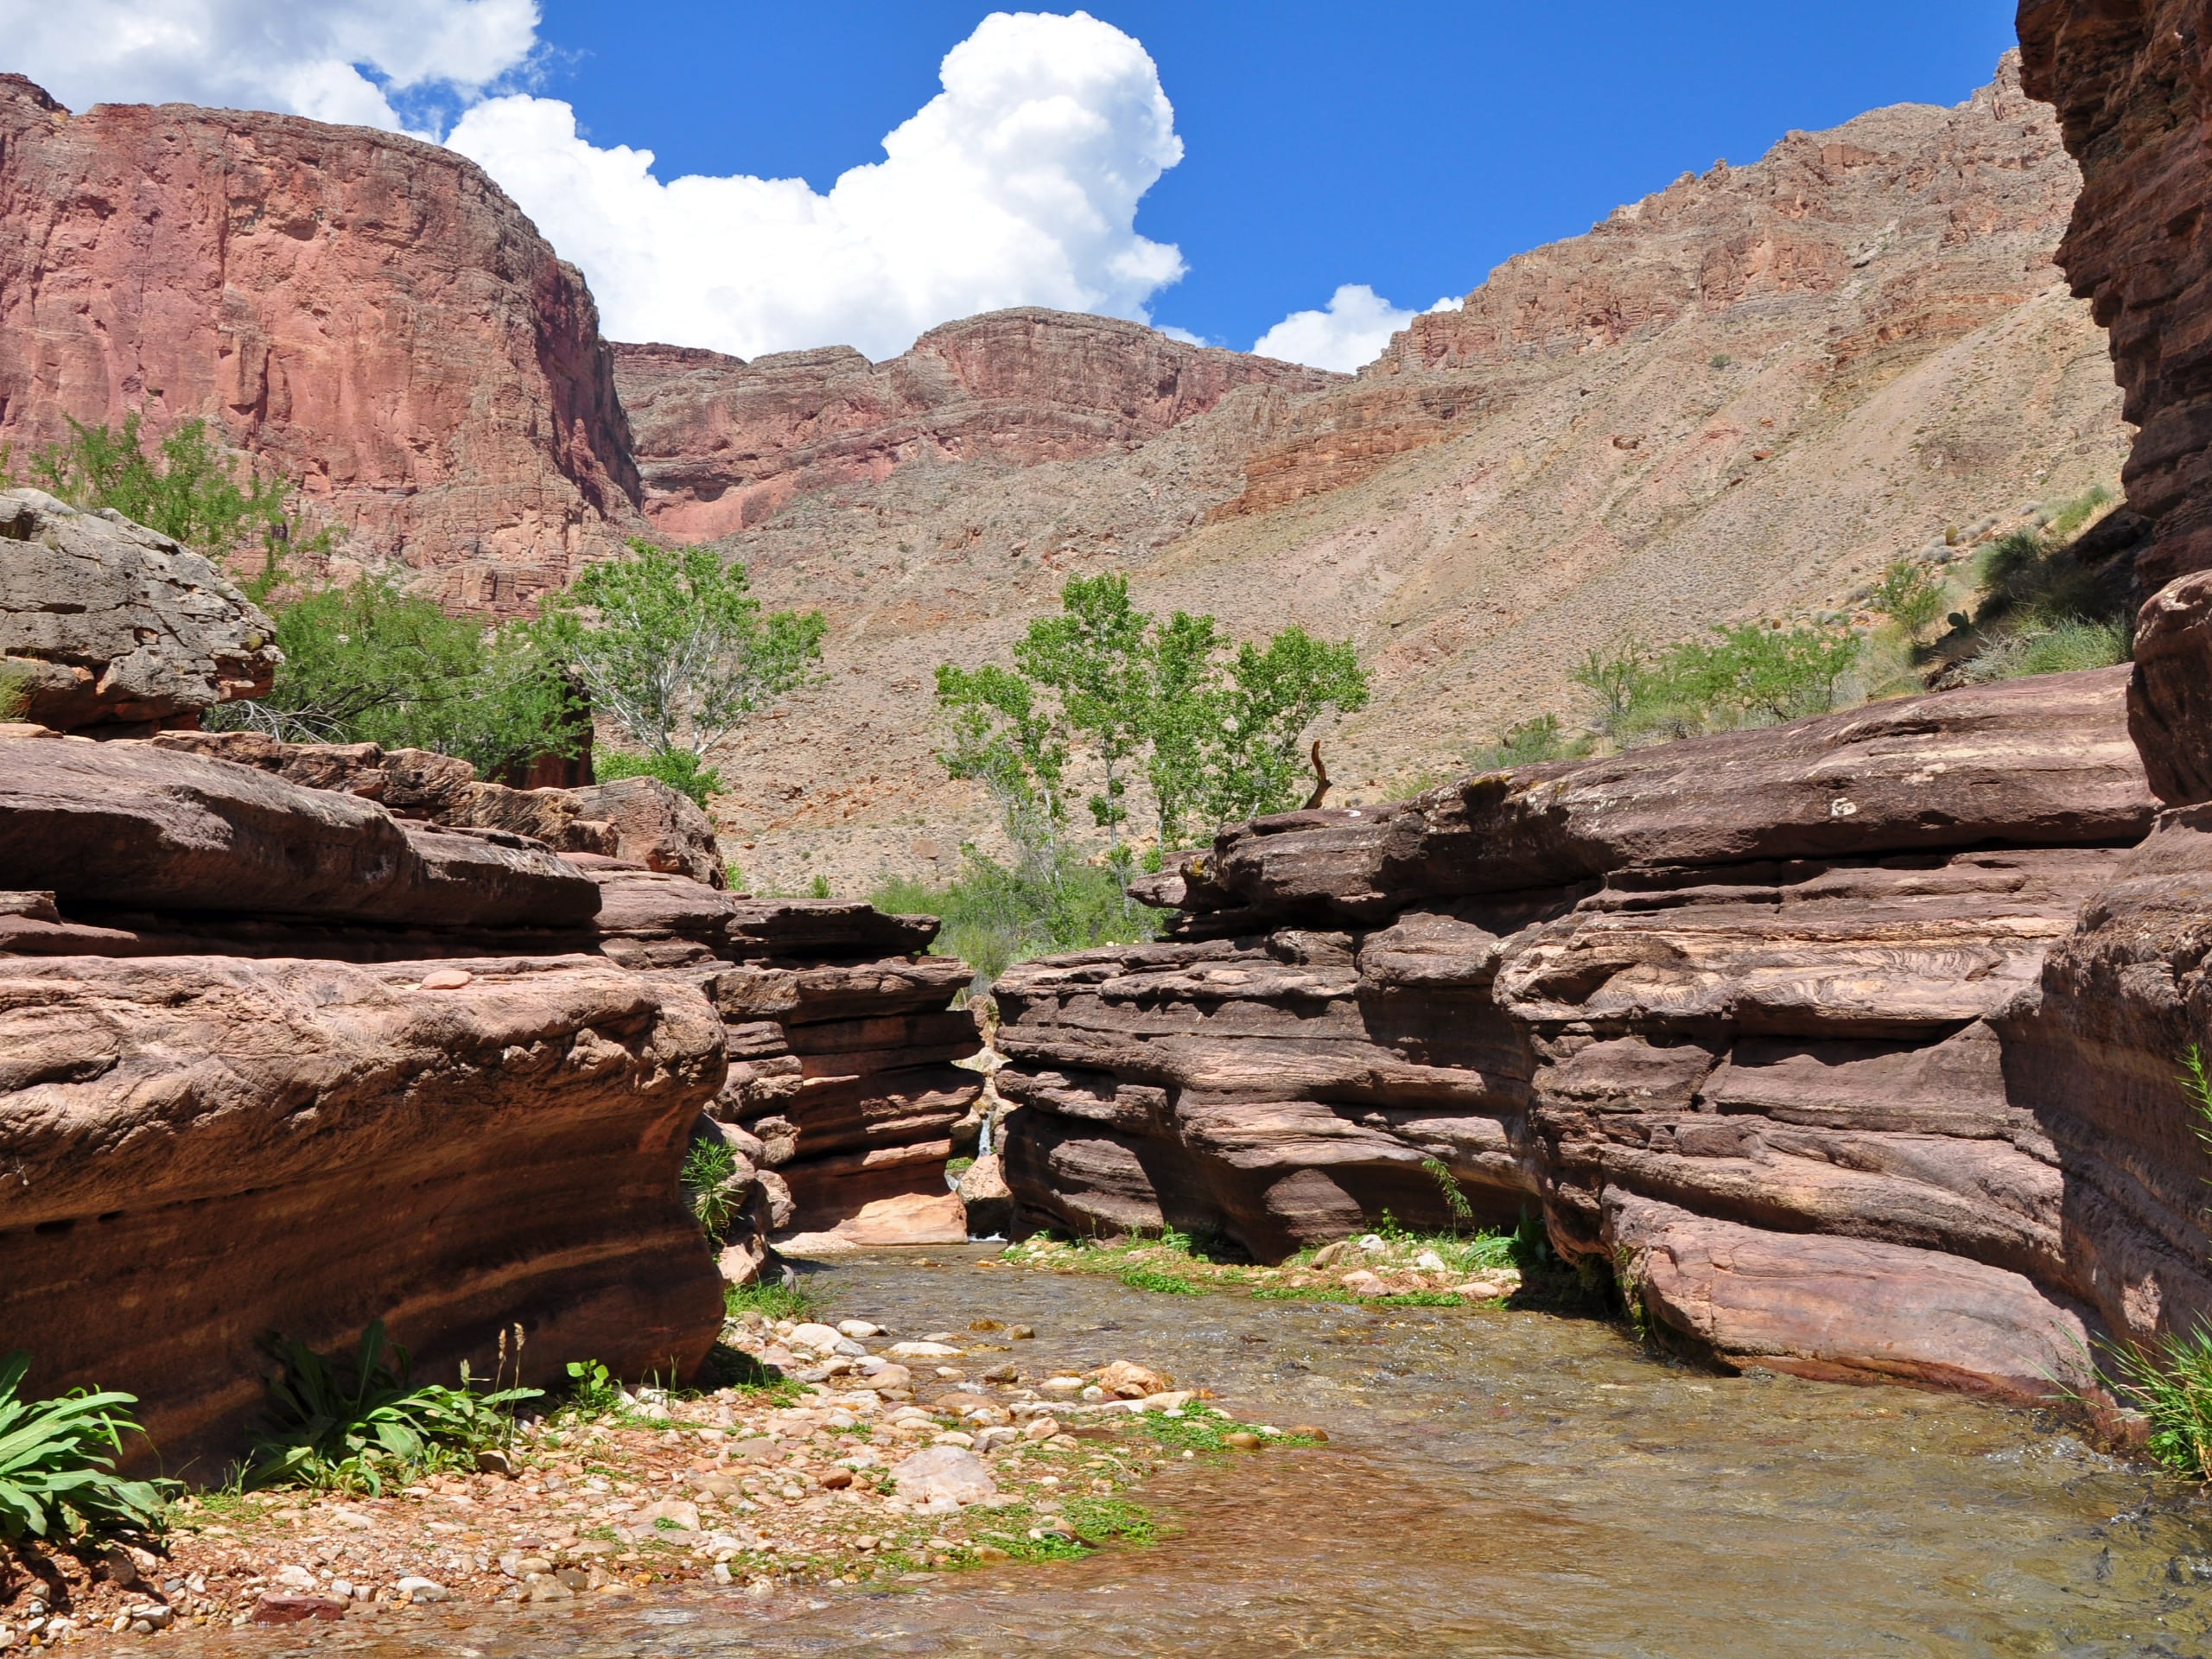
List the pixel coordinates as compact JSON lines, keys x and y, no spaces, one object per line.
{"x":1201,"y":1428}
{"x":771,"y":1300}
{"x":2170,"y":1383}
{"x":1169,"y":1284}
{"x":57,"y":1464}
{"x":349,"y":1423}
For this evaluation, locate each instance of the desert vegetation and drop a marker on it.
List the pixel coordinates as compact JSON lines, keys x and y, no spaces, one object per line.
{"x":1162,"y":725}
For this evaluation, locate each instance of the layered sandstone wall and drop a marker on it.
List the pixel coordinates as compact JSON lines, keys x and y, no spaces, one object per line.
{"x":367,"y":315}
{"x":1849,"y":1044}
{"x":724,"y":443}
{"x":2133,"y":92}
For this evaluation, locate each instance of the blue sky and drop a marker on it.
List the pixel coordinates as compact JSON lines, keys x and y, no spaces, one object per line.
{"x":1409,"y":147}
{"x":759,"y":178}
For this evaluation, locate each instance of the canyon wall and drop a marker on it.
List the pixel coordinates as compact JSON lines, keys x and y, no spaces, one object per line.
{"x":295,"y":1037}
{"x":722,"y":443}
{"x":368,"y":317}
{"x":1742,"y":397}
{"x":2133,"y":93}
{"x":1842,"y":1042}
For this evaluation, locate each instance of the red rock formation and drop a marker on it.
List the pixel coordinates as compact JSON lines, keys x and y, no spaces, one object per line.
{"x":2134,"y":90}
{"x":724,"y":443}
{"x":205,"y":1151}
{"x":369,"y":316}
{"x":1755,"y":1019}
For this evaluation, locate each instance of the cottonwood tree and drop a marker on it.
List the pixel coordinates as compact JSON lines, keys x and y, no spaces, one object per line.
{"x":1141,"y":698}
{"x":673,"y":647}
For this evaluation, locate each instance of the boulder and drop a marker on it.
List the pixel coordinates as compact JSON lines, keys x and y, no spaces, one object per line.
{"x":110,"y":826}
{"x":206,"y":1150}
{"x":986,"y":1198}
{"x":806,"y":931}
{"x":943,"y":1472}
{"x":655,"y":826}
{"x":108,"y":627}
{"x":2170,"y":694}
{"x":1844,"y":1310}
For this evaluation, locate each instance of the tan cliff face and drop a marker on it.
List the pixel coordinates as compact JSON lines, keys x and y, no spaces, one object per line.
{"x":724,"y":443}
{"x":369,"y":316}
{"x":1740,"y":397}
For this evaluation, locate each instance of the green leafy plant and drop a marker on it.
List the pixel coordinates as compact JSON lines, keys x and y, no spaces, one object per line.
{"x":57,"y":1464}
{"x":1911,"y":595}
{"x":592,"y":1386}
{"x":673,"y":647}
{"x":186,"y":488}
{"x":681,"y":770}
{"x":346,"y":1424}
{"x":1463,"y":1213}
{"x":1530,"y":743}
{"x":709,"y":1166}
{"x":372,"y":663}
{"x":993,"y":915}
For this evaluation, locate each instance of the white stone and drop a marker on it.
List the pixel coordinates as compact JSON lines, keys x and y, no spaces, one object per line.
{"x":858,"y":1330}
{"x":1429,"y":1262}
{"x":823,"y":1338}
{"x":951,"y":1472}
{"x":417,"y":1589}
{"x":922,"y":1350}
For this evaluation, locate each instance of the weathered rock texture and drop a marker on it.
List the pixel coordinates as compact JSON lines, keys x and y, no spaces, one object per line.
{"x":641,"y":820}
{"x":842,"y":1044}
{"x":264,"y":1065}
{"x":1741,"y":397}
{"x":367,"y":315}
{"x":1795,"y":1028}
{"x":204,"y":1150}
{"x":105,"y":626}
{"x":722,"y":443}
{"x":2133,"y":93}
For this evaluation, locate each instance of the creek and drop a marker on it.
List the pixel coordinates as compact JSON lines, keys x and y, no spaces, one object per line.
{"x":1496,"y":1483}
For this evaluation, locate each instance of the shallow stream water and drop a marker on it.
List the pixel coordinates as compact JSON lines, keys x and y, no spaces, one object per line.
{"x":1495,"y":1484}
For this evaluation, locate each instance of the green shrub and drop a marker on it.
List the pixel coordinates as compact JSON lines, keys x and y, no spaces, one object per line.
{"x":1911,"y":595}
{"x":372,"y":663}
{"x":994,"y":916}
{"x":57,"y":1464}
{"x":348,"y":1424}
{"x":1527,"y":744}
{"x":681,"y":770}
{"x":2170,"y":1383}
{"x":185,"y":490}
{"x":708,"y":1168}
{"x":771,"y":1300}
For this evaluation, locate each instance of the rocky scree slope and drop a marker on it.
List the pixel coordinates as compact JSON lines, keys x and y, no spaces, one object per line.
{"x":369,"y":316}
{"x":1741,"y":396}
{"x":293,"y":1037}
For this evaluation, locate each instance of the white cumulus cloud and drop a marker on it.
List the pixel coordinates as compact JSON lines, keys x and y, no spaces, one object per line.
{"x":1016,"y":185}
{"x":304,"y":57}
{"x":1351,"y":330}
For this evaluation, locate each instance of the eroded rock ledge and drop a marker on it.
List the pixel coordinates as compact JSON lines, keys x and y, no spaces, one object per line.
{"x":1848,"y":1043}
{"x":319,"y":1034}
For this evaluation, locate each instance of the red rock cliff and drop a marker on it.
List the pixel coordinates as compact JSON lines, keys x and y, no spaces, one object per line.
{"x":369,"y":315}
{"x":723,"y":442}
{"x":2133,"y":93}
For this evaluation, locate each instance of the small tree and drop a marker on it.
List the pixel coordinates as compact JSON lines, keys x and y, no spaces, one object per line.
{"x":673,"y":648}
{"x":1001,"y":738}
{"x":1619,"y":680}
{"x":1095,"y":654}
{"x":1911,"y":595}
{"x":1183,"y":716}
{"x":1780,"y":672}
{"x":1275,"y":693}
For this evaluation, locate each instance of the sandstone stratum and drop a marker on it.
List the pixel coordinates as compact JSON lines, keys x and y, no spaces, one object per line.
{"x":295,"y":1037}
